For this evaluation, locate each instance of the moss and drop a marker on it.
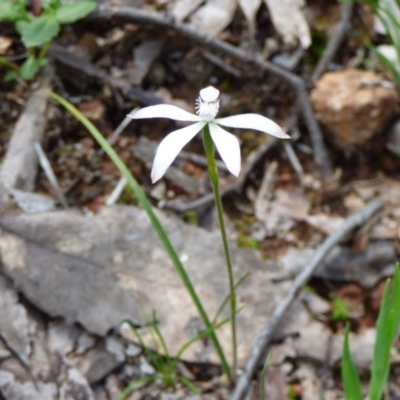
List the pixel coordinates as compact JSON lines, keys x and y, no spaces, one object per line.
{"x":339,"y":310}
{"x":247,"y":242}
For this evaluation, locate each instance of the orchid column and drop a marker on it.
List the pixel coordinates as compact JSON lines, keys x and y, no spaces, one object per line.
{"x":228,"y":147}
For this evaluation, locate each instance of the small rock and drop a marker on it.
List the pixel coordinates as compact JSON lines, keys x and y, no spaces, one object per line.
{"x":85,"y":342}
{"x":112,"y":387}
{"x":10,"y":388}
{"x":145,"y":367}
{"x":76,"y":387}
{"x":317,"y":305}
{"x":133,"y":350}
{"x":307,"y":375}
{"x":115,"y":346}
{"x":62,"y":337}
{"x":295,"y":259}
{"x":354,"y":105}
{"x":97,"y":364}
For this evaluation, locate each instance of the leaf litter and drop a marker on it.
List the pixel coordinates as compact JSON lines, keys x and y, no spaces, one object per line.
{"x":85,"y":258}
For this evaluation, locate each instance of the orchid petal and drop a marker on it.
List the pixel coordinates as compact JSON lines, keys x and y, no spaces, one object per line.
{"x":169,"y":148}
{"x":165,"y":111}
{"x":253,"y":121}
{"x":228,"y":147}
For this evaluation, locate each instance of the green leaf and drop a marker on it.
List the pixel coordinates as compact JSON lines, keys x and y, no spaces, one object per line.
{"x":43,"y":62}
{"x":29,"y":68}
{"x":190,"y":385}
{"x":21,"y":25}
{"x":263,"y":374}
{"x":387,"y":327}
{"x":9,"y":11}
{"x":50,"y":4}
{"x":10,"y":76}
{"x":391,"y":66}
{"x":339,"y":310}
{"x":137,"y":383}
{"x":68,"y":13}
{"x":350,"y":378}
{"x":40,"y":30}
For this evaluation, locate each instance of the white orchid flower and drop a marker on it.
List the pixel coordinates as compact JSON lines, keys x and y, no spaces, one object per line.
{"x":207,"y":106}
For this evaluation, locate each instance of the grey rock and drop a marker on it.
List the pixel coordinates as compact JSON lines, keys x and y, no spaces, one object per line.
{"x":62,"y":337}
{"x":76,"y":387}
{"x":12,"y":389}
{"x":16,"y":328}
{"x":97,"y":364}
{"x":96,"y":269}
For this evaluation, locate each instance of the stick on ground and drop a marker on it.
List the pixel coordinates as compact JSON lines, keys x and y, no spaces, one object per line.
{"x":260,"y":344}
{"x":135,"y":15}
{"x":335,"y":40}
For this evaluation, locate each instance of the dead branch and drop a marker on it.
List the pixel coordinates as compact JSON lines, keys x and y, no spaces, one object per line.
{"x":135,"y":15}
{"x":260,"y":344}
{"x":19,"y":167}
{"x":50,"y":175}
{"x":335,"y":40}
{"x":236,"y":185}
{"x":66,"y":57}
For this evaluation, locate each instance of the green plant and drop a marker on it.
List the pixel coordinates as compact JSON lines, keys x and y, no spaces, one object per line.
{"x":339,"y":310}
{"x":389,"y":55}
{"x":263,"y":374}
{"x":227,"y":145}
{"x":141,"y":196}
{"x":214,"y":138}
{"x":164,"y":364}
{"x":387,"y":327}
{"x":247,"y":242}
{"x":37,"y":28}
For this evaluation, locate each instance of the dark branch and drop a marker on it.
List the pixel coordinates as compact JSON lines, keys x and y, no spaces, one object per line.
{"x":144,"y":17}
{"x":260,"y":344}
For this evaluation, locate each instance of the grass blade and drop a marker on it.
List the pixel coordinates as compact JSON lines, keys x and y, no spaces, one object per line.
{"x":135,"y":385}
{"x":387,"y":327}
{"x":263,"y":373}
{"x":154,"y":358}
{"x":350,"y":378}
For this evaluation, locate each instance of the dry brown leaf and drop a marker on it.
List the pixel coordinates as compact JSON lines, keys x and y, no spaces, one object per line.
{"x":250,"y":8}
{"x":181,"y":9}
{"x":5,"y":44}
{"x":289,"y":20}
{"x":214,"y":16}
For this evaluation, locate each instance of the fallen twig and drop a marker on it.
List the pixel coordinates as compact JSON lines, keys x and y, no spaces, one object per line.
{"x":48,"y":171}
{"x":116,"y":193}
{"x":19,"y":167}
{"x":64,"y":56}
{"x":335,"y":40}
{"x":260,"y":344}
{"x":136,"y":15}
{"x":294,"y":160}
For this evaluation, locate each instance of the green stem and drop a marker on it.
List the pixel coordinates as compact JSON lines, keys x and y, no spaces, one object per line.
{"x":153,"y":218}
{"x":9,"y":64}
{"x":43,"y":51}
{"x":213,"y":172}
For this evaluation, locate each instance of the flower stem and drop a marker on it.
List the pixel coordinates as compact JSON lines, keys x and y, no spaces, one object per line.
{"x":154,"y":220}
{"x":213,"y":173}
